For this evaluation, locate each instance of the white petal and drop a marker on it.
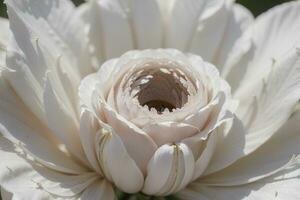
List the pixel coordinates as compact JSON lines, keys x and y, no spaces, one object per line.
{"x":117,"y":164}
{"x":209,"y":31}
{"x":62,"y":121}
{"x":4,"y":36}
{"x":270,"y":158}
{"x":170,"y":169}
{"x":205,"y":158}
{"x":25,"y":84}
{"x":191,"y":22}
{"x":5,"y":194}
{"x":28,"y":59}
{"x":5,"y":32}
{"x":283,"y":85}
{"x":19,"y":125}
{"x":22,"y":176}
{"x":282,"y":186}
{"x":169,"y":132}
{"x":110,"y":30}
{"x":187,"y":194}
{"x":133,"y":138}
{"x":278,"y":27}
{"x":239,"y":20}
{"x":97,"y":82}
{"x":229,"y":147}
{"x":99,"y":190}
{"x":146,"y":23}
{"x":56,"y":26}
{"x":88,"y":129}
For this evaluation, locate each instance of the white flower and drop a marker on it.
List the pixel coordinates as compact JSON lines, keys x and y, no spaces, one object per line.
{"x":191,"y":98}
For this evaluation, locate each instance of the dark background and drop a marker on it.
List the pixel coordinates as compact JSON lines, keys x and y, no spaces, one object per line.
{"x":256,"y":6}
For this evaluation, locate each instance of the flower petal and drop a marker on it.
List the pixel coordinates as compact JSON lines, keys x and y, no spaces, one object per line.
{"x":170,"y":169}
{"x":19,"y":125}
{"x":169,"y":132}
{"x":190,"y":23}
{"x":283,"y":85}
{"x":282,"y":186}
{"x":278,"y":27}
{"x":20,"y":175}
{"x":239,"y":20}
{"x":117,"y":164}
{"x":110,"y":31}
{"x":205,"y":157}
{"x":229,"y":147}
{"x":5,"y":194}
{"x":99,"y":190}
{"x":146,"y":23}
{"x":62,"y":121}
{"x":285,"y":143}
{"x":56,"y":25}
{"x":4,"y":36}
{"x":209,"y":30}
{"x":132,"y":137}
{"x":88,"y":129}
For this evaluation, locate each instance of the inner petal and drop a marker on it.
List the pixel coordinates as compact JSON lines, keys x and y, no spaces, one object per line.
{"x":161,"y":89}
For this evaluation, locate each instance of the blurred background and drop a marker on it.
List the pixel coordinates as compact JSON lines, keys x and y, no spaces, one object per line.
{"x":256,"y":6}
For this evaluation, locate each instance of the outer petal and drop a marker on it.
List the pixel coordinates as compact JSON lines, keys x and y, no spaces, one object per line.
{"x":110,"y":30}
{"x":285,"y":144}
{"x":19,"y":125}
{"x":239,"y":20}
{"x":210,"y":29}
{"x":282,"y":186}
{"x":146,"y":22}
{"x":31,"y":53}
{"x":5,"y":195}
{"x":116,"y":163}
{"x":4,"y":35}
{"x":57,"y":25}
{"x":279,"y":27}
{"x":269,"y":114}
{"x":62,"y":121}
{"x":99,"y":190}
{"x":88,"y":129}
{"x":25,"y":178}
{"x":170,"y":169}
{"x":230,"y":145}
{"x":189,"y":23}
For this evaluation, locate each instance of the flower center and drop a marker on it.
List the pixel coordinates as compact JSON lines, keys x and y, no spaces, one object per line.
{"x":160,"y":88}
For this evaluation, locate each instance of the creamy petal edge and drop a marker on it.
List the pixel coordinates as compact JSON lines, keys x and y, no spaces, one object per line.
{"x":282,"y":185}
